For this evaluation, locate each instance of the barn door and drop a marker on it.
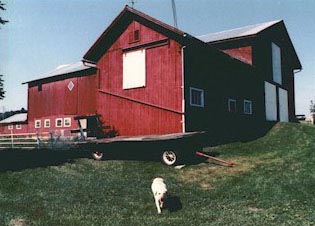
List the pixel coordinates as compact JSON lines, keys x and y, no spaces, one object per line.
{"x":270,"y":102}
{"x":283,"y":105}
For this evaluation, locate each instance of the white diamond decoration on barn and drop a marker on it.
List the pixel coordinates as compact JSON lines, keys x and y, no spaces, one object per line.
{"x":70,"y":86}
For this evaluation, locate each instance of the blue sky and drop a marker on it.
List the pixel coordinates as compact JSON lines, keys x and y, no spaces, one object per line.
{"x":43,"y":34}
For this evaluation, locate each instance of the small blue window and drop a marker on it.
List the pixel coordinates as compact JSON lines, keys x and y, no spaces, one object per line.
{"x":196,"y":97}
{"x":232,"y":105}
{"x":248,"y":107}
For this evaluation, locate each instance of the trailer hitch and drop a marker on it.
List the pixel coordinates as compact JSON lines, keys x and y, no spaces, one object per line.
{"x":226,"y":163}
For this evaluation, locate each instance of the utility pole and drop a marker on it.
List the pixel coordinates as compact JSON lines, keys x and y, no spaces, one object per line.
{"x":174,"y":13}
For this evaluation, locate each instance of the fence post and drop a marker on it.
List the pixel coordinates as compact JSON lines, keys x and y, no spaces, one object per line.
{"x":37,"y":140}
{"x":51,"y":139}
{"x":12,"y":139}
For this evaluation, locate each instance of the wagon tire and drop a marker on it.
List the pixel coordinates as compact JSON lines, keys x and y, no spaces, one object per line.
{"x":97,"y":155}
{"x":169,"y":157}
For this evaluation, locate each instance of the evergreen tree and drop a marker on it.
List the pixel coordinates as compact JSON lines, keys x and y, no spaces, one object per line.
{"x":2,"y":92}
{"x":312,"y":110}
{"x":2,"y":21}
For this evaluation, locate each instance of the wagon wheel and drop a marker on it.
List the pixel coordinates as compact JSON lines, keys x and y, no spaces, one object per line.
{"x":169,"y":157}
{"x":97,"y":155}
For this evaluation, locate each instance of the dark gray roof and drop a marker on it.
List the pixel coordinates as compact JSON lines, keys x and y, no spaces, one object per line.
{"x":64,"y":69}
{"x":238,"y":32}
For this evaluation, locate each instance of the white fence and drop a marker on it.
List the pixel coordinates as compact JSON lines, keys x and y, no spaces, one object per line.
{"x":25,"y":140}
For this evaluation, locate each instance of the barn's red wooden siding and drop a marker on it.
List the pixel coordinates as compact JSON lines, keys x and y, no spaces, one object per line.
{"x":51,"y":100}
{"x":242,"y":53}
{"x":153,"y":109}
{"x":55,"y":98}
{"x":4,"y":129}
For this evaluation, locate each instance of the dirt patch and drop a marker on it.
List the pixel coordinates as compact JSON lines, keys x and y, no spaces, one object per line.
{"x":207,"y":174}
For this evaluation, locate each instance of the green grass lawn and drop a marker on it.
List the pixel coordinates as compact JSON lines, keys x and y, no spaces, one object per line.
{"x":272,"y":184}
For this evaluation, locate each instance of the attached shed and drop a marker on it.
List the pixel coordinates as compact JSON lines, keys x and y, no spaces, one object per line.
{"x":55,"y":98}
{"x":268,"y":47}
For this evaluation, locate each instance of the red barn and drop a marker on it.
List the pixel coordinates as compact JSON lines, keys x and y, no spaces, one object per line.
{"x":143,"y":76}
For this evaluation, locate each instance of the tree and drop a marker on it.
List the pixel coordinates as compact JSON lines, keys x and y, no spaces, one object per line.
{"x":2,"y":21}
{"x":312,"y":110}
{"x":2,"y":92}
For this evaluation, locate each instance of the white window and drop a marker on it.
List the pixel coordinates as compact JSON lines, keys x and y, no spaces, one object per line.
{"x":196,"y":97}
{"x":134,"y":69}
{"x":10,"y":127}
{"x":18,"y":126}
{"x":47,"y":123}
{"x":232,"y":105}
{"x":37,"y":124}
{"x":248,"y":107}
{"x":276,"y":63}
{"x":67,"y":122}
{"x":59,"y":122}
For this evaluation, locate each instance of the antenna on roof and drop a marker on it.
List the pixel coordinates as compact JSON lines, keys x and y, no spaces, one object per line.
{"x":132,"y":2}
{"x":174,"y":13}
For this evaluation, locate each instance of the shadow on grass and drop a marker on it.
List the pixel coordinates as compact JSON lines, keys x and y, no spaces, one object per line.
{"x":148,"y":156}
{"x":147,"y":151}
{"x":19,"y":159}
{"x":236,"y":131}
{"x":173,"y":203}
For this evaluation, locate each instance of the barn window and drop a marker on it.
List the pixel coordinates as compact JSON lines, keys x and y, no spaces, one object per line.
{"x":134,"y":36}
{"x":134,"y":69}
{"x":67,"y":122}
{"x":10,"y":127}
{"x":47,"y":123}
{"x":276,"y":63}
{"x":248,"y":107}
{"x":196,"y":97}
{"x":18,"y":126}
{"x":40,"y":87}
{"x":232,"y":105}
{"x":59,"y":122}
{"x":37,"y":124}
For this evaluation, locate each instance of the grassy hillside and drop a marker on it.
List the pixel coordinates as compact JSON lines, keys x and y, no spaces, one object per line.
{"x":272,"y":184}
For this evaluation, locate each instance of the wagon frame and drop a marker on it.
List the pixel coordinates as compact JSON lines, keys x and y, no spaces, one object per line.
{"x":172,"y":148}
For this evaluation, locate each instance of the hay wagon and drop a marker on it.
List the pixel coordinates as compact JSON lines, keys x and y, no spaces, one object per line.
{"x":171,"y":148}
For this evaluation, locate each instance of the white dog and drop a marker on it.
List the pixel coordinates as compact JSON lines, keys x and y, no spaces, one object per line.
{"x":159,"y":190}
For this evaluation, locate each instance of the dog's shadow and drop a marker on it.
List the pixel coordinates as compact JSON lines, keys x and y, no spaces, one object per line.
{"x":173,"y":203}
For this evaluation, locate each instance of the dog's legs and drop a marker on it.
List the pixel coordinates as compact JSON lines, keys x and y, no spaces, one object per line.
{"x":158,"y":206}
{"x":161,"y":204}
